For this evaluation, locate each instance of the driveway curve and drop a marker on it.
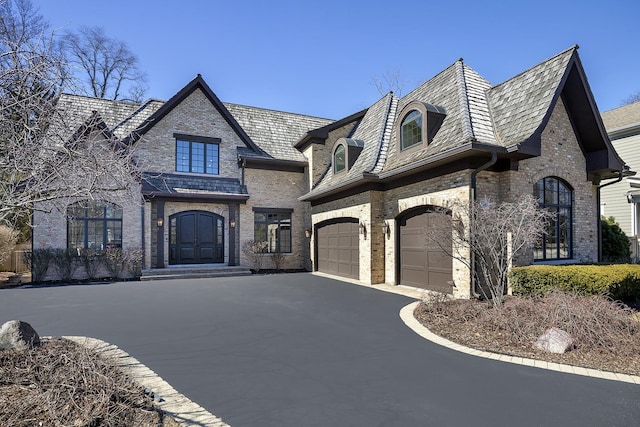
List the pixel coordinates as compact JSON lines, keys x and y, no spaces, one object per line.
{"x":304,"y":350}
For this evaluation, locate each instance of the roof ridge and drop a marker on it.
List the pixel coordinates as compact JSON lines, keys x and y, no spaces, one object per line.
{"x":135,"y":112}
{"x":276,"y":111}
{"x":571,"y":49}
{"x":463,"y":99}
{"x":385,"y":138}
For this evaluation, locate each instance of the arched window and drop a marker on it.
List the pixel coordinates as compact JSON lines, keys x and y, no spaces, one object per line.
{"x":94,"y":224}
{"x":555,"y":196}
{"x":411,"y":133}
{"x":339,"y":159}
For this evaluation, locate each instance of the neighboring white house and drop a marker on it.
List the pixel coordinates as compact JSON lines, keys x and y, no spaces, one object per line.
{"x":622,"y":200}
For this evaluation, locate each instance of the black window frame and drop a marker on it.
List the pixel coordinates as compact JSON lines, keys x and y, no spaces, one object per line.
{"x":208,"y":144}
{"x":555,"y":195}
{"x":418,"y":118}
{"x":344,"y":159}
{"x":280,"y":218}
{"x":88,"y":222}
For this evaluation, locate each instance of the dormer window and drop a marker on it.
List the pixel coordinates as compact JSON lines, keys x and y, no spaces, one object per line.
{"x":419,"y":125}
{"x":339,"y":159}
{"x":411,"y":132}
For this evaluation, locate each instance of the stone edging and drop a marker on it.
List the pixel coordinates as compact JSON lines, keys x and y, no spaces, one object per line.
{"x":174,"y":404}
{"x":406,"y":314}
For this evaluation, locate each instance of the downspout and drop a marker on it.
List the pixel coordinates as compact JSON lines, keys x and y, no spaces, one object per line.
{"x":599,"y":226}
{"x":142,"y":228}
{"x":473,"y":197}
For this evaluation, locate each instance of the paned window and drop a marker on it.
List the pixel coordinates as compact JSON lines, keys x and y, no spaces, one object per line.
{"x":197,"y":157}
{"x":411,"y":133}
{"x":274,"y":228}
{"x":339,"y":159}
{"x":94,"y":224}
{"x":555,"y":196}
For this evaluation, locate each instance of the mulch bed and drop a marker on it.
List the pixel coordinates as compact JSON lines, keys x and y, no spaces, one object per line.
{"x":467,"y":331}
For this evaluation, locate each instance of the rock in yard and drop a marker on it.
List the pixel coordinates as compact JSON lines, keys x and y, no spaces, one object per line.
{"x":554,"y":340}
{"x":19,"y":335}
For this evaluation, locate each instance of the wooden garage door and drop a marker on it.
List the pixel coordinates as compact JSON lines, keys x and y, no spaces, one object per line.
{"x":338,"y":251}
{"x":423,"y":263}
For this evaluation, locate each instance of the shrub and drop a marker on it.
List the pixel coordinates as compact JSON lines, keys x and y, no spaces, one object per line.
{"x":255,"y":251}
{"x":66,"y":262}
{"x":92,"y":260}
{"x":114,"y":260}
{"x":615,"y":244}
{"x":38,"y":261}
{"x":277,"y":258}
{"x":618,"y":281}
{"x":8,"y":239}
{"x":133,"y":261}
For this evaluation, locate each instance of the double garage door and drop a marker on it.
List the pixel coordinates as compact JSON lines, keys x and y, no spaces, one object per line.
{"x":422,"y":262}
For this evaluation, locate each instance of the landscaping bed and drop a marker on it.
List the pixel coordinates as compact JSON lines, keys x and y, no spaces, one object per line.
{"x":606,"y":333}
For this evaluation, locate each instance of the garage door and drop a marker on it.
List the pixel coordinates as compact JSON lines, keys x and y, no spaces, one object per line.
{"x":423,"y":263}
{"x":338,"y":251}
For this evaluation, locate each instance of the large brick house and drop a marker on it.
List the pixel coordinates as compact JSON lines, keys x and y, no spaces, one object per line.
{"x":353,"y":197}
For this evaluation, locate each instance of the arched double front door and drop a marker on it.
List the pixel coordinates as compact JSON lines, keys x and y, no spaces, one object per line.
{"x":196,"y":237}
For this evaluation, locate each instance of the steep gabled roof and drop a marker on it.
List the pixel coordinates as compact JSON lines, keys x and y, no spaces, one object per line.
{"x":197,"y":83}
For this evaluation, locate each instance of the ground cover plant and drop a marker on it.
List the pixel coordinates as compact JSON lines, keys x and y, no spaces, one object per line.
{"x":61,"y":383}
{"x":606,"y":333}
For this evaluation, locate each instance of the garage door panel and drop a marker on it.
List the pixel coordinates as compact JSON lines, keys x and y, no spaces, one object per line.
{"x":338,"y":249}
{"x":423,"y":262}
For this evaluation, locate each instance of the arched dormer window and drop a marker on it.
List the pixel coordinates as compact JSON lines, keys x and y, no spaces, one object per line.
{"x":419,"y":123}
{"x":339,"y":159}
{"x":411,"y":130}
{"x":556,"y":196}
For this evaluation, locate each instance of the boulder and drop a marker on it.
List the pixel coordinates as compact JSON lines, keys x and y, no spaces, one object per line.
{"x":19,"y":335}
{"x":555,"y":340}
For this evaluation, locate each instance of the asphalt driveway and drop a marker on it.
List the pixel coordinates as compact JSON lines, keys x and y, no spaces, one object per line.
{"x":302,"y":350}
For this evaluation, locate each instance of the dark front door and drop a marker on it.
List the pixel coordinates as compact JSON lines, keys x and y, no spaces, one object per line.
{"x":196,"y":238}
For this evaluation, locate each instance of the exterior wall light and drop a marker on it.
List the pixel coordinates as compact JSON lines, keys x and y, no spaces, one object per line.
{"x":386,"y":230}
{"x":160,"y":222}
{"x":362,"y":228}
{"x":232,"y":223}
{"x":307,"y":233}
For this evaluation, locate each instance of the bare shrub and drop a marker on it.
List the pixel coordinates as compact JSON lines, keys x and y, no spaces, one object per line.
{"x":255,"y":251}
{"x":133,"y":261}
{"x":38,"y":261}
{"x":487,"y":237}
{"x":92,"y":261}
{"x":65,"y":262}
{"x":63,"y":384}
{"x":8,"y":239}
{"x":114,"y":260}
{"x":277,"y":258}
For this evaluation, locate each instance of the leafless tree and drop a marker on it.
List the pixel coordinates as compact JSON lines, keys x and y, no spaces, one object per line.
{"x":47,"y":156}
{"x":390,"y":81}
{"x":487,"y":237}
{"x":107,"y":64}
{"x":635,"y":97}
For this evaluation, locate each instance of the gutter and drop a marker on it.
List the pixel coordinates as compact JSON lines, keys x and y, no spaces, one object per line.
{"x":472,"y":198}
{"x":599,"y":222}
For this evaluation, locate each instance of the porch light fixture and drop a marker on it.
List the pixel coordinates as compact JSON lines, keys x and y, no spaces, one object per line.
{"x":307,"y":233}
{"x":160,"y":222}
{"x":232,"y":223}
{"x":386,"y":230}
{"x":362,"y":228}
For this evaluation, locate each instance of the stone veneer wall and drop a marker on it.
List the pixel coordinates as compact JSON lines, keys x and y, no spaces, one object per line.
{"x":278,"y":190}
{"x":439,"y":191}
{"x":561,"y":157}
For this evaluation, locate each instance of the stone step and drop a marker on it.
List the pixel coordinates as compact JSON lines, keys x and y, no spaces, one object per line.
{"x":195,"y":272}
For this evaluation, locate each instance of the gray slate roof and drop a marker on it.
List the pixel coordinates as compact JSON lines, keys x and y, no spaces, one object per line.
{"x":179,"y":184}
{"x":476,"y":113}
{"x":275,"y":132}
